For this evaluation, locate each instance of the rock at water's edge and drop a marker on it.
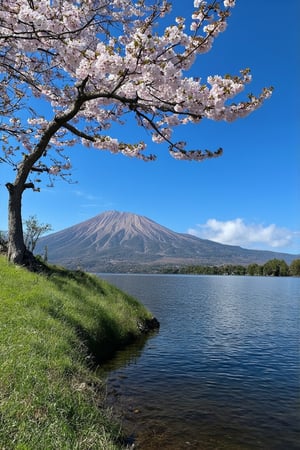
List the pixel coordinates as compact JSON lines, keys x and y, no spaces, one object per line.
{"x":149,"y":325}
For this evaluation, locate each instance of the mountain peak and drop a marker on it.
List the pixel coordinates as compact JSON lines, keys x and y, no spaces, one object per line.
{"x":122,"y":241}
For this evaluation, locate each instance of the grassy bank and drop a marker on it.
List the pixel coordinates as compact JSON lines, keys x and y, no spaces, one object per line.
{"x":53,"y":329}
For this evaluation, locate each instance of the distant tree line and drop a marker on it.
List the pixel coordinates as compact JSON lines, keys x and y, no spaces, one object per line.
{"x":274,"y":267}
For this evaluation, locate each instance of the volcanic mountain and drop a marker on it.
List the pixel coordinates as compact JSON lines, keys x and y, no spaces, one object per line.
{"x":121,"y":242}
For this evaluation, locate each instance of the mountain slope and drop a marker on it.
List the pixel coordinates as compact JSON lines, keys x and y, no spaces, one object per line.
{"x":119,"y":241}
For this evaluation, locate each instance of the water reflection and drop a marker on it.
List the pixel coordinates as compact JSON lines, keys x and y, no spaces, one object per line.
{"x":127,"y":356}
{"x":223,"y":371}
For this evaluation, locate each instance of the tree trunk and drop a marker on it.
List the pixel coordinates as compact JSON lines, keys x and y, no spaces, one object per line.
{"x":16,"y":246}
{"x":17,"y":252}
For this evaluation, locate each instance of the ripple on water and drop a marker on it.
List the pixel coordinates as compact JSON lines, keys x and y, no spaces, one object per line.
{"x":222,"y":372}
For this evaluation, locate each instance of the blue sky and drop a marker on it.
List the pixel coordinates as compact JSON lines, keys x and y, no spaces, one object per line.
{"x":249,"y":196}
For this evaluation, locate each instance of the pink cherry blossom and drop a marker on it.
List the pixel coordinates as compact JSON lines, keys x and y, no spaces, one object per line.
{"x":69,"y":70}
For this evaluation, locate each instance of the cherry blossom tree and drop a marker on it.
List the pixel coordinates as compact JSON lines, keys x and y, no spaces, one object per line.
{"x":71,"y":69}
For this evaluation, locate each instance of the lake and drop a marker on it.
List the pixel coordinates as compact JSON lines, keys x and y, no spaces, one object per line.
{"x":223,"y":370}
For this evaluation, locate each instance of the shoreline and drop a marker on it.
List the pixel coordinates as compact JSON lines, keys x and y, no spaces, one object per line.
{"x":55,"y":328}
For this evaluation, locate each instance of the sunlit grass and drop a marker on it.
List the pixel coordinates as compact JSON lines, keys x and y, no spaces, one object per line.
{"x":54,"y":328}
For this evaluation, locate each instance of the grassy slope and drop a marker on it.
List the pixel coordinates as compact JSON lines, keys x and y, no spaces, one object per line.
{"x":49,"y":326}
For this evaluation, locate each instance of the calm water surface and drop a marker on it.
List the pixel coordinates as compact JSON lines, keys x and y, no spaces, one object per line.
{"x":223,"y":370}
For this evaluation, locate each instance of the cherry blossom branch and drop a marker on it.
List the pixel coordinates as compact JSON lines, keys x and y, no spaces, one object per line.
{"x":93,"y":62}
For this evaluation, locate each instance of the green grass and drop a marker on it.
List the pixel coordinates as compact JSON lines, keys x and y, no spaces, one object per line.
{"x":54,"y":328}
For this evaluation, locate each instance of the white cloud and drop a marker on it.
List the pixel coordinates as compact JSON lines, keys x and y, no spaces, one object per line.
{"x":92,"y":201}
{"x":86,"y":196}
{"x":237,"y":232}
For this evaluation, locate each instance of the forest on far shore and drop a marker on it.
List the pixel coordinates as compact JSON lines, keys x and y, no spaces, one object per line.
{"x":272,"y":268}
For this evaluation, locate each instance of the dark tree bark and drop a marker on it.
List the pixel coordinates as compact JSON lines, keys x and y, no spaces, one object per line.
{"x":16,"y":247}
